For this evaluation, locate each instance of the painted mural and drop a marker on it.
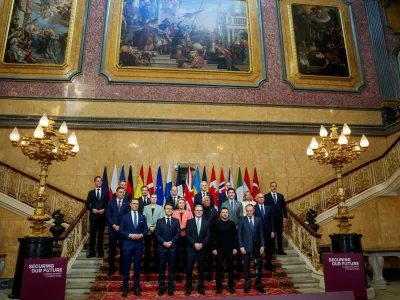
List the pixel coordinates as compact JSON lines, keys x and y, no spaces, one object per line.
{"x":38,"y":31}
{"x":186,"y":34}
{"x":320,"y":43}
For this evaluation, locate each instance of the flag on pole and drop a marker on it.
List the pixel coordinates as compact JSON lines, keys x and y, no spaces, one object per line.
{"x":104,"y":184}
{"x":204,"y":178}
{"x":114,"y":182}
{"x":256,"y":187}
{"x":168,"y":185}
{"x":188,"y":191}
{"x":149,"y":182}
{"x":247,"y":186}
{"x":122,"y":174}
{"x":159,"y":187}
{"x":213,"y":187}
{"x":179,"y":182}
{"x":129,"y":184}
{"x":139,"y":184}
{"x":230,"y":177}
{"x":221,"y":181}
{"x":240,"y":188}
{"x":196,"y":184}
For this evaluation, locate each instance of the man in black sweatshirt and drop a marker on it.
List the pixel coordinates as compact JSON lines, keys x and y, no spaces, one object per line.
{"x":224,"y":241}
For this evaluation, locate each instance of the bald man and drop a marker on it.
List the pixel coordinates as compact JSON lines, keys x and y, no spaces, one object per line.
{"x":198,"y":198}
{"x":173,"y":200}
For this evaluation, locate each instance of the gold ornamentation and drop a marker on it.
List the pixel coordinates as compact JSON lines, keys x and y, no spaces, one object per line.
{"x":295,"y":51}
{"x":44,"y":149}
{"x":340,"y":153}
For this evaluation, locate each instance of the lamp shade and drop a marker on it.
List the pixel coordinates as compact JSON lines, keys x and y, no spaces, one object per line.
{"x":38,"y":134}
{"x":14,"y":136}
{"x":314,"y":143}
{"x":72,"y":140}
{"x":75,"y":149}
{"x":364,"y":141}
{"x":323,"y":132}
{"x":44,"y":121}
{"x":346,"y":129}
{"x":342,"y":140}
{"x":63,"y":128}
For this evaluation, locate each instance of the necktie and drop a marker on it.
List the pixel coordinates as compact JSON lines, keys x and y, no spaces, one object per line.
{"x":98,"y":194}
{"x":274,"y":197}
{"x":251,"y":224}
{"x":168,"y":222}
{"x":198,"y":226}
{"x":204,"y":194}
{"x":135,"y":220}
{"x":175,"y":201}
{"x":262,"y":211}
{"x":119,"y":205}
{"x":233,"y":208}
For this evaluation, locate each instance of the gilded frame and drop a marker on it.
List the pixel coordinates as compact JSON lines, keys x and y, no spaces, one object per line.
{"x":290,"y":63}
{"x":73,"y":56}
{"x":110,"y":68}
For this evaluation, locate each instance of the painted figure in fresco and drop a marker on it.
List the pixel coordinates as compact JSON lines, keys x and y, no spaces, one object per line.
{"x":320,"y":42}
{"x":40,"y":30}
{"x":185,"y":34}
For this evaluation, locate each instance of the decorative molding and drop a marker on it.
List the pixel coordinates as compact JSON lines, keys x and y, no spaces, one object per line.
{"x":148,"y":124}
{"x":385,"y":188}
{"x":385,"y":6}
{"x":382,"y":63}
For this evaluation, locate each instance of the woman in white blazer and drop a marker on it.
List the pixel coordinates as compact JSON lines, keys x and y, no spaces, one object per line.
{"x":152,"y":212}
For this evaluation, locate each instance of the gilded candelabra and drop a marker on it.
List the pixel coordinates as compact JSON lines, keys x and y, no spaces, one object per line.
{"x":43,"y":148}
{"x":338,"y":153}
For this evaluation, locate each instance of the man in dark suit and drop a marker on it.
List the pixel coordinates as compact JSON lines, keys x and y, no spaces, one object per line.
{"x":133,"y":228}
{"x":210,"y":215}
{"x":224,"y":243}
{"x":145,"y":199}
{"x":222,"y":197}
{"x":198,"y":198}
{"x":173,"y":200}
{"x":251,"y":242}
{"x":116,"y":209}
{"x":96,"y":203}
{"x":277,"y":202}
{"x":265,"y":214}
{"x":197,"y":237}
{"x":127,"y":196}
{"x":167,"y":235}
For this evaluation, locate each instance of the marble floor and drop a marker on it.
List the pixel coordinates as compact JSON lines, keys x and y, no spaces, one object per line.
{"x":386,"y":292}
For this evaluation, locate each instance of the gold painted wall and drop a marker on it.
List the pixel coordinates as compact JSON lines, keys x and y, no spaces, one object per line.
{"x":377,"y":220}
{"x":8,"y":238}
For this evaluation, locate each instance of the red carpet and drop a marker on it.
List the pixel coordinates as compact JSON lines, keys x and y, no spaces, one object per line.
{"x":109,"y":288}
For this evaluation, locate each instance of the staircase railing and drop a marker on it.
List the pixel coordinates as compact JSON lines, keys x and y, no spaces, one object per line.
{"x":23,"y":187}
{"x":355,"y":181}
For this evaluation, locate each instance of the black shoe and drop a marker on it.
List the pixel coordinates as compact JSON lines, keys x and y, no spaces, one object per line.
{"x":111,"y":271}
{"x":260,"y":289}
{"x":170,"y":292}
{"x":188,"y":291}
{"x":160,"y":292}
{"x":90,"y":255}
{"x":247,"y":289}
{"x":124,"y":294}
{"x":137,"y":292}
{"x":201,"y":291}
{"x":282,"y":252}
{"x":100,"y":255}
{"x":232,"y":290}
{"x":219,"y":291}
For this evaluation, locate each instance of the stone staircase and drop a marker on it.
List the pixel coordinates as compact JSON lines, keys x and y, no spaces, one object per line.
{"x":297,"y":270}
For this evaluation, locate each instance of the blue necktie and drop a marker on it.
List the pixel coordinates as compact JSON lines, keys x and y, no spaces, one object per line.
{"x":134,"y":220}
{"x":168,"y":222}
{"x":262,"y":211}
{"x":251,"y":224}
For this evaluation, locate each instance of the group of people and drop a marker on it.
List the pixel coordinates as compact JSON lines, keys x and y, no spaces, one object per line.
{"x":220,"y":232}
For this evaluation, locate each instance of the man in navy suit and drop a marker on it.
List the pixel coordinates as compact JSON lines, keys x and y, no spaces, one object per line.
{"x":198,"y":198}
{"x":167,"y":235}
{"x":173,"y":199}
{"x":96,"y":204}
{"x":133,"y":228}
{"x":127,"y":196}
{"x":222,"y":197}
{"x":267,"y":218}
{"x":197,"y":238}
{"x":251,"y":242}
{"x":116,"y":209}
{"x":277,"y":202}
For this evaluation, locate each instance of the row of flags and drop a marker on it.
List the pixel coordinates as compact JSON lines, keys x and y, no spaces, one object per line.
{"x":191,"y":188}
